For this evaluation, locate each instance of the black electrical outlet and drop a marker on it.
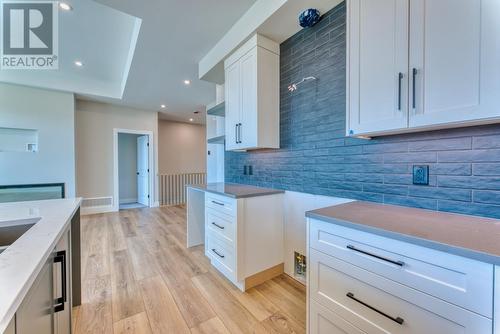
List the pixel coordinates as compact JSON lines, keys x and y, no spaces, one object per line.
{"x":421,"y":174}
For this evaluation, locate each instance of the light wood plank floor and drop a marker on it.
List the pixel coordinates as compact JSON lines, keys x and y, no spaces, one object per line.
{"x":139,"y":277}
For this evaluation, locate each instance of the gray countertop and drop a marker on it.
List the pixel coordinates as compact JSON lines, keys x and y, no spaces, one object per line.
{"x":235,"y":190}
{"x":468,"y":236}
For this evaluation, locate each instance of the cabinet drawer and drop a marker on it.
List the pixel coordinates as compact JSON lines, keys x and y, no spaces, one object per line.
{"x":460,"y":281}
{"x":378,"y":305}
{"x":222,"y":204}
{"x":221,"y":224}
{"x":323,"y":321}
{"x":222,"y":255}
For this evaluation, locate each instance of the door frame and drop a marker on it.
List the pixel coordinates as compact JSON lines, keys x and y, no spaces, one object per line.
{"x":152,"y":170}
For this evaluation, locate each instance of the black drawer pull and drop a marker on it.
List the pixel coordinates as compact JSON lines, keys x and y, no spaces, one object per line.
{"x":398,"y":263}
{"x":217,"y":225}
{"x":218,"y":203}
{"x":397,"y":319}
{"x":217,"y":253}
{"x":60,"y":257}
{"x":414,"y":98}
{"x":400,"y":78}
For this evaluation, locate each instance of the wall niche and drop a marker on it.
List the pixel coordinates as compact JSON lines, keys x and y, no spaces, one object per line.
{"x":18,"y":140}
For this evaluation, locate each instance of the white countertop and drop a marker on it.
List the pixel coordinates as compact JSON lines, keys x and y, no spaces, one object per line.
{"x":21,"y":262}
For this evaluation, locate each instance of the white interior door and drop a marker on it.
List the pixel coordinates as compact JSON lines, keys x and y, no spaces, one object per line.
{"x":143,"y":170}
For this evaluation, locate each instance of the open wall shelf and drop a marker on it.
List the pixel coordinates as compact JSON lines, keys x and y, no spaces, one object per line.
{"x":217,"y":140}
{"x":218,"y":110}
{"x":18,"y":140}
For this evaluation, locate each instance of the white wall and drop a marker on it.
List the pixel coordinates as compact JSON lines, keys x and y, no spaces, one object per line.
{"x":94,"y":144}
{"x":296,"y":205}
{"x":181,"y":148}
{"x":52,"y":114}
{"x":127,"y":167}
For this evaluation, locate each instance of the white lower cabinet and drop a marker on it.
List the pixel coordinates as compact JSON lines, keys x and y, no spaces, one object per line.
{"x":62,"y":285}
{"x":46,"y":308}
{"x":370,"y":287}
{"x":324,"y":321}
{"x":244,"y":236}
{"x":460,"y":281}
{"x":222,"y":255}
{"x":36,"y":313}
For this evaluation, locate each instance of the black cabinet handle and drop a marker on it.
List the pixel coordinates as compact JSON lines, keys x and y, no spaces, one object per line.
{"x":218,"y":203}
{"x":414,"y":79}
{"x":217,"y":253}
{"x":61,"y":258}
{"x":217,"y":225}
{"x":397,"y":319}
{"x":236,"y":133}
{"x":239,"y":133}
{"x":400,"y":79}
{"x":398,"y":263}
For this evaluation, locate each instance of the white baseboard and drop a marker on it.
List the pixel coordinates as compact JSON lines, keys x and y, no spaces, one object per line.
{"x":156,"y":204}
{"x":128,"y":200}
{"x":97,"y":209}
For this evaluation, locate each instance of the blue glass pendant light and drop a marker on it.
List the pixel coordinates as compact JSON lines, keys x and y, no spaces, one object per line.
{"x":309,"y":17}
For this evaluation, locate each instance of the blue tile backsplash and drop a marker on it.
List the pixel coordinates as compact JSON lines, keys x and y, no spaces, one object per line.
{"x":316,"y":157}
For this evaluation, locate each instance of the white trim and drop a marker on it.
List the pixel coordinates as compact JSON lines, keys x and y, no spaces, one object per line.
{"x":156,"y":204}
{"x":152,"y":167}
{"x":128,"y":200}
{"x":97,"y":209}
{"x":255,"y":41}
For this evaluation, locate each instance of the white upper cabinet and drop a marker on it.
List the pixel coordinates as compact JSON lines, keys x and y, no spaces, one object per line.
{"x":252,"y":95}
{"x":451,"y":46}
{"x":447,"y":51}
{"x":232,"y":94}
{"x":378,"y":65}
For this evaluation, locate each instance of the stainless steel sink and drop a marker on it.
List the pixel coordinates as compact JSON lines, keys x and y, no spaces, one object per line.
{"x":12,"y":230}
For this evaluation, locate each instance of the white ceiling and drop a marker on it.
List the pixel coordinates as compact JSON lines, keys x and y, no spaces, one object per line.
{"x":174,"y":35}
{"x":102,"y":37}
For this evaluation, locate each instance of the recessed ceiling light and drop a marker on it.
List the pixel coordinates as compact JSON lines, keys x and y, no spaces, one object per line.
{"x":65,"y":6}
{"x":191,"y":120}
{"x":163,"y":106}
{"x":78,"y":63}
{"x":187,"y":82}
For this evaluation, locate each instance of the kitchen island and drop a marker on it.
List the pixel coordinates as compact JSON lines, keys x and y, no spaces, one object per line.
{"x":241,"y":227}
{"x":43,"y":260}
